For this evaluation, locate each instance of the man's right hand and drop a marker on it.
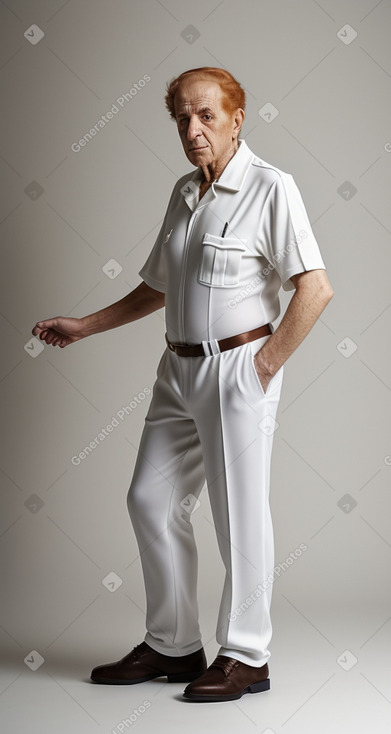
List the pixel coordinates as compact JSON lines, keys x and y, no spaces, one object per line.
{"x":60,"y":331}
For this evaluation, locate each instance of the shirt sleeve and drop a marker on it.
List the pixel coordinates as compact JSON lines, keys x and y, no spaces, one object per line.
{"x":287,"y":239}
{"x":153,"y":271}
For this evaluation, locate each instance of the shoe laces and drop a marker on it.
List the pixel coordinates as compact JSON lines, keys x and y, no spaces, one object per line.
{"x":225,"y":664}
{"x":136,"y":652}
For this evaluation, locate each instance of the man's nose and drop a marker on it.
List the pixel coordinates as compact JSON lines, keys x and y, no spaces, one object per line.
{"x":194,"y":128}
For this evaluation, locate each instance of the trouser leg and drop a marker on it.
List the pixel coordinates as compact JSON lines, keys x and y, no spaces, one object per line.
{"x":167,"y":479}
{"x":236,"y":423}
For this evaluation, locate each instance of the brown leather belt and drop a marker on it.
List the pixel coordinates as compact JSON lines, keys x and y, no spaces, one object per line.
{"x":197,"y":350}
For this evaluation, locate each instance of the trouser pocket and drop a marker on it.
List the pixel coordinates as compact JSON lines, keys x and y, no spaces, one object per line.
{"x":274,"y":385}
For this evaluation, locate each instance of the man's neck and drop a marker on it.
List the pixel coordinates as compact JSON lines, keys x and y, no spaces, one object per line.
{"x":213,"y":172}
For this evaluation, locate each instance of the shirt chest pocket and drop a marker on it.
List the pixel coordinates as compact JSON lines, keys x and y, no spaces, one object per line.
{"x":220,"y":261}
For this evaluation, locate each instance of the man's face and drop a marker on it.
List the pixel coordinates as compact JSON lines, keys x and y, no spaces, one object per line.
{"x":206,"y":130}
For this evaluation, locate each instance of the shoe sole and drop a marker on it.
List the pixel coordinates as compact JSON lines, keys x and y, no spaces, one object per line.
{"x":263,"y":685}
{"x":171,"y":678}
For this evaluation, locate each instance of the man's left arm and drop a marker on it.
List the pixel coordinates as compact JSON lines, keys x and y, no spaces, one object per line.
{"x":312,"y":293}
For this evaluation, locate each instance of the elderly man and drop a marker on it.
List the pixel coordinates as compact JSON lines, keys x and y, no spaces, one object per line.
{"x":234,"y":232}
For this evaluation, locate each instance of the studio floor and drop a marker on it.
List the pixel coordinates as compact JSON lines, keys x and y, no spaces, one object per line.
{"x":329,"y":672}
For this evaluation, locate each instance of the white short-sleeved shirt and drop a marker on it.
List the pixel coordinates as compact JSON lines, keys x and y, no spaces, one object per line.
{"x":219,"y":286}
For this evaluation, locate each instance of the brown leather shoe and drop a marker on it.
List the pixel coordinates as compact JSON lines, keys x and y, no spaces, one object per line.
{"x":143,"y":663}
{"x":227,"y":679}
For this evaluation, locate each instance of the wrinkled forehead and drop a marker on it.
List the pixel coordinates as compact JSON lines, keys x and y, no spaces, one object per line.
{"x":193,"y":94}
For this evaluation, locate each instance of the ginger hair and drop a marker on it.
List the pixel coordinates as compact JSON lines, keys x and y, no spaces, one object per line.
{"x":233,"y":95}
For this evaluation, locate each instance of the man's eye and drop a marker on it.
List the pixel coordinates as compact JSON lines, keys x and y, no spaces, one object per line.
{"x":207,"y":115}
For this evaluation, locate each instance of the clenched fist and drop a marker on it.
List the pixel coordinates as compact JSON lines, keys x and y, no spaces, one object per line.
{"x":60,"y":331}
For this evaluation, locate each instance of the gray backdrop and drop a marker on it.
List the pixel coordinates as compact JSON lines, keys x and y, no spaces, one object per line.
{"x":77,"y":223}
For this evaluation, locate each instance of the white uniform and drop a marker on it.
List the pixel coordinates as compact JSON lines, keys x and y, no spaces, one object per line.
{"x":209,"y":417}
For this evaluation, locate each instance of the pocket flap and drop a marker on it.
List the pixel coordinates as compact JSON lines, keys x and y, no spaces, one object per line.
{"x":224,"y":243}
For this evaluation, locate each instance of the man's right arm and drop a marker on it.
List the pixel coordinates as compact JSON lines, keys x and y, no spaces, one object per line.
{"x":61,"y":331}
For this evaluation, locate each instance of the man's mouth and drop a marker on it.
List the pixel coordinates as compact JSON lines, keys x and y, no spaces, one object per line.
{"x":201,"y":147}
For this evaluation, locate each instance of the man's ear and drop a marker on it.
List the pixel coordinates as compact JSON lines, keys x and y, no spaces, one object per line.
{"x":238,"y":120}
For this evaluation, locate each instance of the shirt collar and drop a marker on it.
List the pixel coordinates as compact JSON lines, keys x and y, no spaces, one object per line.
{"x":232,"y":176}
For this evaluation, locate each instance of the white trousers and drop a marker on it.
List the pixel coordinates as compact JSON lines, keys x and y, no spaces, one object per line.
{"x":209,"y":418}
